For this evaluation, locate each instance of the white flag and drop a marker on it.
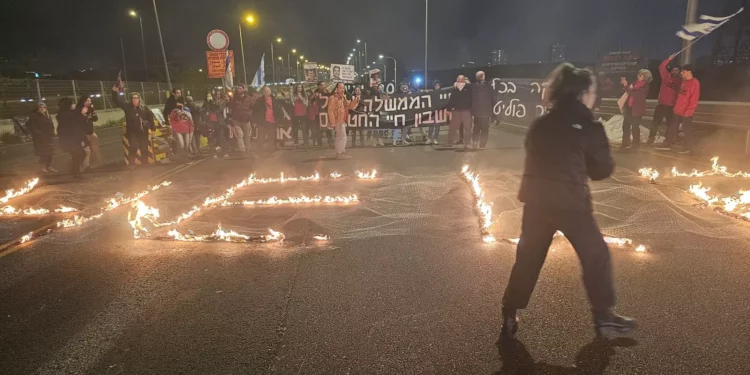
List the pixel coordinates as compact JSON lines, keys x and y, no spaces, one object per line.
{"x":228,"y":81}
{"x":260,"y":76}
{"x":704,"y":26}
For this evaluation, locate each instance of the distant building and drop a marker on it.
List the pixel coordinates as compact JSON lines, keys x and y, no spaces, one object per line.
{"x":467,"y":64}
{"x":557,"y":53}
{"x":498,"y":57}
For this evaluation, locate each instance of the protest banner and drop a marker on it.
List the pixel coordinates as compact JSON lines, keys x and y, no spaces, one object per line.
{"x":621,"y":62}
{"x":311,"y":72}
{"x":342,"y":73}
{"x":216,"y":63}
{"x":517,"y":101}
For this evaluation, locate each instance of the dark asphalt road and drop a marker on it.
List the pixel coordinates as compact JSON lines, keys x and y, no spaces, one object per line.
{"x":405,"y":286}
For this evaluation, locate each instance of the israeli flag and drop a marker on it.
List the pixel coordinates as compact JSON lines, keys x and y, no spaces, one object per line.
{"x":260,"y":76}
{"x":228,"y":81}
{"x":705,"y":25}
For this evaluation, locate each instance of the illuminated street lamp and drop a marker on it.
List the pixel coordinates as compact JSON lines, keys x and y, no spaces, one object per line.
{"x":133,"y":13}
{"x":250,"y":19}
{"x":273,"y":62}
{"x":395,"y":76}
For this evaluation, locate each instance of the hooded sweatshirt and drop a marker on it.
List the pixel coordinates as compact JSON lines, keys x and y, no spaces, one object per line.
{"x":687,"y":100}
{"x":669,"y":85}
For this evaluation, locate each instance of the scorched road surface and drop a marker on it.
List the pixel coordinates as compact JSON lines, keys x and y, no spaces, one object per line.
{"x":405,"y":285}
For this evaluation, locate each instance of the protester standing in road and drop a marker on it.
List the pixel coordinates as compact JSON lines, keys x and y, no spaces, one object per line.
{"x":213,"y":117}
{"x":182,"y":127}
{"x":670,"y":86}
{"x":357,"y":93}
{"x":299,"y":117}
{"x":139,"y":121}
{"x":43,"y":135}
{"x":460,"y":104}
{"x":195,"y":113}
{"x":241,"y":109}
{"x":71,"y":128}
{"x":433,"y":131}
{"x":171,"y":103}
{"x":482,"y":101}
{"x":635,"y":108}
{"x":313,"y":112}
{"x":564,"y":148}
{"x":687,"y":102}
{"x":338,"y":113}
{"x":267,"y":113}
{"x":93,"y":154}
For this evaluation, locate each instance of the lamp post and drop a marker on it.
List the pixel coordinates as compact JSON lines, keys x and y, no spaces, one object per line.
{"x":251,"y":20}
{"x":365,"y":42}
{"x":426,"y":3}
{"x":273,"y":62}
{"x":161,"y":41}
{"x":690,"y":17}
{"x":289,"y":61}
{"x":395,"y":73}
{"x":282,"y":63}
{"x":143,"y":41}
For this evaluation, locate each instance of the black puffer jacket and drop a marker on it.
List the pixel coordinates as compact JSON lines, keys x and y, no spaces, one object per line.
{"x":71,"y":127}
{"x":564,"y":148}
{"x":138,"y":120}
{"x":482,"y":99}
{"x":42,"y":133}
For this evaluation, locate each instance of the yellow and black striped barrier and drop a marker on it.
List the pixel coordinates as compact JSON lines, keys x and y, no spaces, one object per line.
{"x":137,"y":160}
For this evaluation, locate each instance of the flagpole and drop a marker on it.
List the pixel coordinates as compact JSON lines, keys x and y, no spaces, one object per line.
{"x":690,"y":44}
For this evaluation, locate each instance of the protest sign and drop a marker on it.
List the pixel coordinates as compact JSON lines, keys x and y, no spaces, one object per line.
{"x":311,"y":72}
{"x":342,"y":73}
{"x":216,"y":63}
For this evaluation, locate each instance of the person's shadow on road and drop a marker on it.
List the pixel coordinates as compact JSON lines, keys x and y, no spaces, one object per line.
{"x":592,"y":358}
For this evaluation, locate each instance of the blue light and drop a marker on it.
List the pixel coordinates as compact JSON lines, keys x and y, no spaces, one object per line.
{"x":417,"y":80}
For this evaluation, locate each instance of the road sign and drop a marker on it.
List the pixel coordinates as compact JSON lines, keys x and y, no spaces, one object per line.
{"x":216,"y":63}
{"x":217,"y":40}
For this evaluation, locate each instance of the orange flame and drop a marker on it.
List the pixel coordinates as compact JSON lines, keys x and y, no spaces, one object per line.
{"x":650,"y":173}
{"x":226,"y":236}
{"x":27,"y":237}
{"x":302,"y":199}
{"x":483,"y":208}
{"x":27,"y":187}
{"x":321,"y":237}
{"x":367,"y":175}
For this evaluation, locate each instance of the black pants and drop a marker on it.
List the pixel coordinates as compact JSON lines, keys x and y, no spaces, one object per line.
{"x":76,"y":161}
{"x":46,"y":161}
{"x":320,"y":131}
{"x":218,"y":138}
{"x":538,"y":226}
{"x":631,"y":129}
{"x":481,"y":130}
{"x":687,"y":129}
{"x":299,"y":123}
{"x":266,"y":137}
{"x":661,"y":113}
{"x":354,"y":133}
{"x":138,"y":142}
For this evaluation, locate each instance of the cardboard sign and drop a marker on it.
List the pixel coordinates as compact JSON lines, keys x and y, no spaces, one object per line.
{"x":311,"y":72}
{"x":216,"y":63}
{"x":342,"y":73}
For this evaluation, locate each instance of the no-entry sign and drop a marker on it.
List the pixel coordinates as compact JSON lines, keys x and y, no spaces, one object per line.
{"x":217,"y":40}
{"x":216,"y":63}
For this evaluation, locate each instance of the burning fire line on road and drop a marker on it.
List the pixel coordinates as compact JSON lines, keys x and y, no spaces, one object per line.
{"x":716,"y":170}
{"x":10,"y":210}
{"x":111,"y":204}
{"x":367,"y":175}
{"x":27,"y":187}
{"x":221,"y":235}
{"x":483,"y":208}
{"x":736,"y":206}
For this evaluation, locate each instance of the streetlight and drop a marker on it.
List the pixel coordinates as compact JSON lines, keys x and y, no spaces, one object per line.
{"x":273,"y":62}
{"x":143,"y":41}
{"x":200,"y":70}
{"x":358,"y":41}
{"x":251,"y":20}
{"x":161,"y":41}
{"x":395,"y":73}
{"x":289,"y":61}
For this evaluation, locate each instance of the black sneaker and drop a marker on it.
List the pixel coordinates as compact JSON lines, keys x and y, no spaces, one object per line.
{"x":609,"y":324}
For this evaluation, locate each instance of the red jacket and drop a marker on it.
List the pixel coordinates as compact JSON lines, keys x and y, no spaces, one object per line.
{"x":669,"y":85}
{"x":687,"y":100}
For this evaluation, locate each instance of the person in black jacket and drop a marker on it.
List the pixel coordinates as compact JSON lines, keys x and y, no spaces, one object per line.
{"x":71,"y":128}
{"x":460,"y":104}
{"x":43,"y":135}
{"x":86,"y":108}
{"x":268,"y":114}
{"x":482,"y":101}
{"x":214,"y":125}
{"x":171,"y":103}
{"x":564,"y":148}
{"x":138,"y":122}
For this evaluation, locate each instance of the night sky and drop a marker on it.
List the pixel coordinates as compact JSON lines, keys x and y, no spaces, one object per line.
{"x":66,"y":35}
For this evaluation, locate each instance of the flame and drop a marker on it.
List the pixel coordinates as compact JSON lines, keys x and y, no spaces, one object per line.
{"x":78,"y":220}
{"x":27,"y":187}
{"x":640,"y":249}
{"x":10,"y":210}
{"x":225,"y":236}
{"x":483,"y":208}
{"x":650,"y":173}
{"x":302,"y":199}
{"x":619,"y":242}
{"x":367,"y":175}
{"x":716,"y":170}
{"x":27,"y":237}
{"x":321,"y":237}
{"x":64,"y":209}
{"x":701,"y":192}
{"x":335,"y":175}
